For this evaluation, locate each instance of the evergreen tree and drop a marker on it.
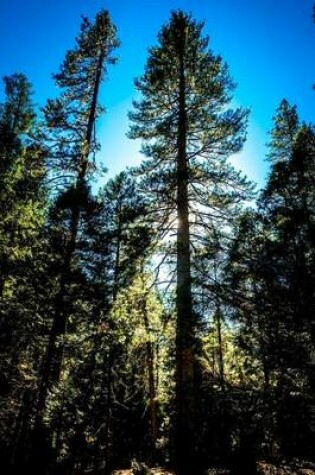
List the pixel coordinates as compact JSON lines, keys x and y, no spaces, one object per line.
{"x":22,"y":201}
{"x":272,"y":277}
{"x":80,"y":409}
{"x":144,"y":337}
{"x":21,"y":176}
{"x":290,"y":213}
{"x":189,"y":132}
{"x":70,"y":135}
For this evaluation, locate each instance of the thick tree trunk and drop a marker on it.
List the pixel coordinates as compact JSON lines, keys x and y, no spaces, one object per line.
{"x":185,"y":443}
{"x":53,"y":359}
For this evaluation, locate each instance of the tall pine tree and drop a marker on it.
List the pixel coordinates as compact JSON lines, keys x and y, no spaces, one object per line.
{"x":188,"y":133}
{"x":70,"y":135}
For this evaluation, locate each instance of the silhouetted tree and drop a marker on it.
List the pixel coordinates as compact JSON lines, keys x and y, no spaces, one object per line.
{"x":188,"y":133}
{"x":70,"y":135}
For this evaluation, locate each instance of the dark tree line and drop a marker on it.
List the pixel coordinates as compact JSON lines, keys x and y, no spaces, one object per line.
{"x":160,"y":319}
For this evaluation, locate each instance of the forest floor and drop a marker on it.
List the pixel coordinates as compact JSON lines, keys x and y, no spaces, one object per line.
{"x":263,"y":468}
{"x":286,"y":468}
{"x":153,"y":471}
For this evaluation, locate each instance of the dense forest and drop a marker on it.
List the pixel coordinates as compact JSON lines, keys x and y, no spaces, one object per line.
{"x":167,"y":318}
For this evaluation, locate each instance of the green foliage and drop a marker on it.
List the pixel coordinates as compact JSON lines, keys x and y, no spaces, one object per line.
{"x":70,"y":119}
{"x":271,"y":271}
{"x":214,"y":189}
{"x":157,"y":303}
{"x":188,"y":133}
{"x":22,"y":201}
{"x":213,"y":132}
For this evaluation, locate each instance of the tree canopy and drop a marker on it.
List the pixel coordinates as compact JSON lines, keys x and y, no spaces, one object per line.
{"x":165,"y":318}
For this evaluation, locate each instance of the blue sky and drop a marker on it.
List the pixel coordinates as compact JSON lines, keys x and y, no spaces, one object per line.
{"x":268,"y":45}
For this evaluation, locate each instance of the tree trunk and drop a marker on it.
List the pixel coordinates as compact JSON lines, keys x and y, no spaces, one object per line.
{"x":220,"y":346}
{"x":185,"y":443}
{"x":152,"y":386}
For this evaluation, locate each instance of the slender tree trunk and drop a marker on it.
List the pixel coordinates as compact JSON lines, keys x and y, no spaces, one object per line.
{"x":152,"y":395}
{"x":152,"y":386}
{"x":4,"y":273}
{"x":117,"y":254}
{"x":111,"y":355}
{"x":220,"y":345}
{"x":108,"y":413}
{"x":22,"y":427}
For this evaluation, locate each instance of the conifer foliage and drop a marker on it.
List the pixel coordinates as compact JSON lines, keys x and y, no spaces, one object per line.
{"x":163,"y":319}
{"x":70,"y":124}
{"x":188,"y":133}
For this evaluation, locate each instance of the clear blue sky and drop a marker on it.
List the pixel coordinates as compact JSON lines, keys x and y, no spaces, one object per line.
{"x":268,"y":44}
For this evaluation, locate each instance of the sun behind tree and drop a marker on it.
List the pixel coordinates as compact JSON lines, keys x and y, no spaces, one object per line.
{"x":188,"y":133}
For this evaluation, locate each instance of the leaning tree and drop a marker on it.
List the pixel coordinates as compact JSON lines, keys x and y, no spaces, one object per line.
{"x":70,"y":122}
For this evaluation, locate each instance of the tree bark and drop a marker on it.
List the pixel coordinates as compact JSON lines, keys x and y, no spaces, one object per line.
{"x":185,"y":443}
{"x":152,"y":387}
{"x":220,"y":345}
